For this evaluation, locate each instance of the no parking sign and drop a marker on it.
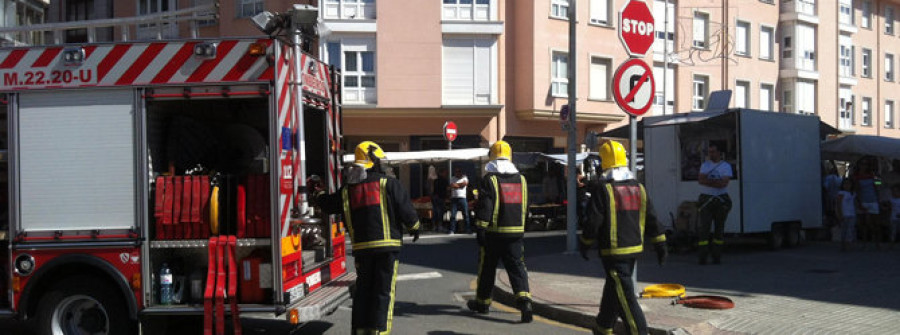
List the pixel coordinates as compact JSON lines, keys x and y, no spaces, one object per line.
{"x":633,"y":87}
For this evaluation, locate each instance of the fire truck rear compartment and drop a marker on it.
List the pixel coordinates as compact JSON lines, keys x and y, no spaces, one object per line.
{"x":222,"y":144}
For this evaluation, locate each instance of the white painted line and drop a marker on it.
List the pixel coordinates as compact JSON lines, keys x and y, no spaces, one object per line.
{"x":417,"y":276}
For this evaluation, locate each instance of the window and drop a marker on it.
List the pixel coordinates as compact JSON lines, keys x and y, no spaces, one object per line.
{"x":742,"y":44}
{"x":765,"y":97}
{"x":845,"y":58}
{"x":559,"y":9}
{"x":742,"y":94}
{"x":866,"y":19}
{"x":701,"y":87}
{"x":806,"y":47}
{"x":600,"y":78}
{"x":248,"y":8}
{"x":846,"y":118}
{"x":866,"y":111}
{"x":150,"y":30}
{"x":889,"y":114}
{"x":205,"y":23}
{"x":354,"y":9}
{"x":867,"y":63}
{"x":600,"y":12}
{"x":78,"y":11}
{"x":469,"y":71}
{"x":889,"y":20}
{"x":559,"y":74}
{"x":845,"y":12}
{"x":766,"y":42}
{"x":665,"y":34}
{"x":787,"y":101}
{"x":889,"y":67}
{"x":665,"y":89}
{"x":701,"y":30}
{"x":787,"y":50}
{"x":805,"y":97}
{"x":356,"y":59}
{"x":480,"y":10}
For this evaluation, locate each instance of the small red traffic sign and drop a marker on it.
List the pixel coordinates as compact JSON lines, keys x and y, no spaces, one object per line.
{"x":636,"y":28}
{"x":633,"y":86}
{"x":450,"y":131}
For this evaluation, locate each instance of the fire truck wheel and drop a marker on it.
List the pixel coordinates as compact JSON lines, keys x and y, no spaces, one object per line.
{"x":82,"y":306}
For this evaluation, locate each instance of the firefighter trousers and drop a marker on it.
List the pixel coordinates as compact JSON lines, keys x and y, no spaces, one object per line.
{"x":373,"y":299}
{"x":512,"y":253}
{"x":619,"y":300}
{"x":713,"y":212}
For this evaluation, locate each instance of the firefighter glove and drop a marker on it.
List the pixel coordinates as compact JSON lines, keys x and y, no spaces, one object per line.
{"x":479,"y":237}
{"x":661,"y":252}
{"x":414,"y":234}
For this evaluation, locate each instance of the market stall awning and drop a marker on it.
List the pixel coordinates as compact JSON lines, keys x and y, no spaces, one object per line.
{"x":852,"y":147}
{"x":431,"y":156}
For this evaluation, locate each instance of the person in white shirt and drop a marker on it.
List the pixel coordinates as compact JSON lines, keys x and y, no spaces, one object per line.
{"x":458,"y":184}
{"x":713,"y":204}
{"x":845,"y":203}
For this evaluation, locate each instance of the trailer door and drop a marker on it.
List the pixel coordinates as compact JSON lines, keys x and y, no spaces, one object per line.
{"x":76,"y":161}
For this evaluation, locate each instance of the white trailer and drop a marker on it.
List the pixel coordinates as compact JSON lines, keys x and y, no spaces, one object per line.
{"x":776,"y":189}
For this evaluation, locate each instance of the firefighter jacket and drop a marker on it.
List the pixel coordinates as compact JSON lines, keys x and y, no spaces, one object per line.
{"x":502,"y":205}
{"x":375,"y":212}
{"x":620,"y":217}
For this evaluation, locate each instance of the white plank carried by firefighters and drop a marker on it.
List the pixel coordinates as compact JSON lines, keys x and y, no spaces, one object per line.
{"x":633,"y":87}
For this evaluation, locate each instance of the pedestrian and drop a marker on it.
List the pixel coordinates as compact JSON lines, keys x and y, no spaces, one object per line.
{"x":438,"y":198}
{"x":831,"y":185}
{"x":378,"y":210}
{"x":458,"y":201}
{"x":500,"y":229}
{"x":714,"y":204}
{"x":895,"y":213}
{"x":867,"y":188}
{"x":845,"y":204}
{"x":620,"y":217}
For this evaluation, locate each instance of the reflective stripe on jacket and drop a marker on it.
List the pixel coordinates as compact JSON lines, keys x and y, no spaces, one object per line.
{"x":375,"y":212}
{"x":620,"y":217}
{"x":502,"y":204}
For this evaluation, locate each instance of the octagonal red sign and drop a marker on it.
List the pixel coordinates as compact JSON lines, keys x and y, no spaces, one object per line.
{"x":636,"y":28}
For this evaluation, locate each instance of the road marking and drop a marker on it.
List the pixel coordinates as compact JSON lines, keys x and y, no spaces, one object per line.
{"x":417,"y":276}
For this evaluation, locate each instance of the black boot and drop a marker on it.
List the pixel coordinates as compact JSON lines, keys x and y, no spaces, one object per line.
{"x":477,"y":307}
{"x":527,"y":312}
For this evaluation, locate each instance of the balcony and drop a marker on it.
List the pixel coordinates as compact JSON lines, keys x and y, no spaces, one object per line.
{"x":799,"y":10}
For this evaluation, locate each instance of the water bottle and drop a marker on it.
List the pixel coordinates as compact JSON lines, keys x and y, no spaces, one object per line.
{"x":165,"y":285}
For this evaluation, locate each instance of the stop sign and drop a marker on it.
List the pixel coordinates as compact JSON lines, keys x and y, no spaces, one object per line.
{"x":450,"y":131}
{"x":636,"y":28}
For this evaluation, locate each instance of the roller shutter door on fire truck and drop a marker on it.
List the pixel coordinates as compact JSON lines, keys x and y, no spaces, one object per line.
{"x":76,"y":160}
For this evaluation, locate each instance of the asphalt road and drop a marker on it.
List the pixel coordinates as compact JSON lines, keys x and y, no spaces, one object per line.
{"x":435,"y":278}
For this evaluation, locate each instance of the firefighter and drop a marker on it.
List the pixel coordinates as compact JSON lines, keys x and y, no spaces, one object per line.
{"x":620,"y":216}
{"x":500,"y":226}
{"x":376,"y":208}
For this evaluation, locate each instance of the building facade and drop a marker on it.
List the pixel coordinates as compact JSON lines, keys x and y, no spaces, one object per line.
{"x":15,"y":13}
{"x":498,"y":68}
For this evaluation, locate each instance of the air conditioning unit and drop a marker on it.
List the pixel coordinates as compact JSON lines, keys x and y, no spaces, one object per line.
{"x":699,"y":44}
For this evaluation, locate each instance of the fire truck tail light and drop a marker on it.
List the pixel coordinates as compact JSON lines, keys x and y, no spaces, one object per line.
{"x":136,"y":281}
{"x":295,"y":316}
{"x":205,"y":50}
{"x":73,"y":56}
{"x":17,"y":284}
{"x":257,"y":49}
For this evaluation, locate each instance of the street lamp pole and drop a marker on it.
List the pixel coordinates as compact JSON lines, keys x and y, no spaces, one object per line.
{"x":571,"y":213}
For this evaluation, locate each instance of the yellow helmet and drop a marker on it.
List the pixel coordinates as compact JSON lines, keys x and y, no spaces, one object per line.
{"x":612,"y":154}
{"x":362,"y":153}
{"x":501,"y":150}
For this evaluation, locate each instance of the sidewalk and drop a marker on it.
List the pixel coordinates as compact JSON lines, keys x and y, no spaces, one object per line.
{"x":810,"y":289}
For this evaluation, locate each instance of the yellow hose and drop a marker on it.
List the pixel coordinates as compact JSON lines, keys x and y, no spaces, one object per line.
{"x":214,"y":211}
{"x":663,"y":291}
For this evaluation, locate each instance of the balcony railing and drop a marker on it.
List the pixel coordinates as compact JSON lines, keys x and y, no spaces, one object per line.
{"x":807,"y":7}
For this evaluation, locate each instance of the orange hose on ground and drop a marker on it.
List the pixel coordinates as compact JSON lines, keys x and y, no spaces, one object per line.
{"x":706,"y":301}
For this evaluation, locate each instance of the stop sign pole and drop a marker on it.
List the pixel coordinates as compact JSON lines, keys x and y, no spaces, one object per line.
{"x":636,"y":31}
{"x":450,"y":133}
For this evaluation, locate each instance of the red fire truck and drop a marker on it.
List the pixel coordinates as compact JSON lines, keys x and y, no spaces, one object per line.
{"x":151,"y":179}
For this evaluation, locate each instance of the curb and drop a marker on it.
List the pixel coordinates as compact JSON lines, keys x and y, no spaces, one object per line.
{"x":503,"y":294}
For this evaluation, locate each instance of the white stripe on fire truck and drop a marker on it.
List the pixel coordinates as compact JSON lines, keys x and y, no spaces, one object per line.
{"x":123,"y":63}
{"x":256,"y":70}
{"x":156,"y":65}
{"x":229,"y":61}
